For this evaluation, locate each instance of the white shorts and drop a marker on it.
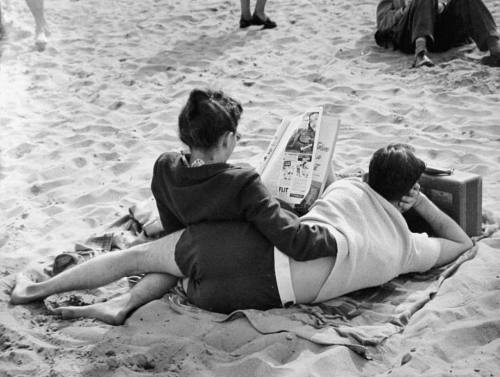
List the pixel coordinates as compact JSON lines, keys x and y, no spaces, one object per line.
{"x":284,"y":278}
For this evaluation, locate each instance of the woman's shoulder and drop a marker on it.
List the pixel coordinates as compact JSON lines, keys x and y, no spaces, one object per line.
{"x":168,"y":158}
{"x":244,"y":166}
{"x":243,"y":170}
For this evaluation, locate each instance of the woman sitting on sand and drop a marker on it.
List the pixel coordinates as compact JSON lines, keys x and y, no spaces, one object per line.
{"x":200,"y":186}
{"x":234,"y":266}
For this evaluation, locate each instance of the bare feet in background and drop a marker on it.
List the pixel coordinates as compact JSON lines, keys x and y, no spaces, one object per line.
{"x":1,"y":23}
{"x":41,"y":31}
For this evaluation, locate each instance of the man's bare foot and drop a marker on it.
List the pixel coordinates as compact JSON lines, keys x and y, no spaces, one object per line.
{"x":24,"y":291}
{"x":422,"y":60}
{"x":113,"y":312}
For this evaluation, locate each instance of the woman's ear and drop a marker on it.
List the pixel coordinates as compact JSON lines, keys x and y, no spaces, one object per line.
{"x":225,"y":140}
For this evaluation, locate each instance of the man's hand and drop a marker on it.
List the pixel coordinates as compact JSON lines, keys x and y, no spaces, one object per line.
{"x":441,"y":6}
{"x":411,"y":199}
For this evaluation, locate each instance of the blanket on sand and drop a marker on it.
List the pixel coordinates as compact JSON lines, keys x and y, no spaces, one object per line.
{"x":361,"y":321}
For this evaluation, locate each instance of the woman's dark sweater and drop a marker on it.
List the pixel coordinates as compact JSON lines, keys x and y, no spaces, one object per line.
{"x":224,"y":192}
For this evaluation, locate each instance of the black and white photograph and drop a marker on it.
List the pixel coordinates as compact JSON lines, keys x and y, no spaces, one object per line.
{"x":249,"y":188}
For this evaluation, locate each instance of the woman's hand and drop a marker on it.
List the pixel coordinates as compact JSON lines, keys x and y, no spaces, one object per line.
{"x":411,"y":199}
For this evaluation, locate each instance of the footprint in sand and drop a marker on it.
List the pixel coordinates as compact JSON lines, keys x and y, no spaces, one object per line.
{"x":21,"y":150}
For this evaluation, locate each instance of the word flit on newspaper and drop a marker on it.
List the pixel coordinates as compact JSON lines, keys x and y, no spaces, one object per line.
{"x":295,"y":165}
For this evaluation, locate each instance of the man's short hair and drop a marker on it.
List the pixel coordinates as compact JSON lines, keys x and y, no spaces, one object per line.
{"x":394,"y":170}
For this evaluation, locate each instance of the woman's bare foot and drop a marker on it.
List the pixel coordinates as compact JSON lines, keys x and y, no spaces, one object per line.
{"x":113,"y":312}
{"x":41,"y":38}
{"x":24,"y":291}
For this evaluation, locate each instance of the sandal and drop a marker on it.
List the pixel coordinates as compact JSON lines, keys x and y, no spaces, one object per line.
{"x":245,"y":23}
{"x":267,"y":23}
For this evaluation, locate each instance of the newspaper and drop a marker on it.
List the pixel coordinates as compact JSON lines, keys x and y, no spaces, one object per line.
{"x":295,"y":165}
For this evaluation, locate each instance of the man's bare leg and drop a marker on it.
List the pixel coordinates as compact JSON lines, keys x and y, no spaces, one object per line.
{"x":114,"y":312}
{"x":41,"y":31}
{"x":156,"y":256}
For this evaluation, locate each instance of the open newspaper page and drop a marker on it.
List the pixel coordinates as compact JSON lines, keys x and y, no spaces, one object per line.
{"x":295,"y":166}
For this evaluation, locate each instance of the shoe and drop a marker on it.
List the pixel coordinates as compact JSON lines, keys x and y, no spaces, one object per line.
{"x":245,"y":23}
{"x":422,"y":60}
{"x":491,"y":60}
{"x":267,"y":23}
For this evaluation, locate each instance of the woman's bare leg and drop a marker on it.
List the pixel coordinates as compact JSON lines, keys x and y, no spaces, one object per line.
{"x":114,"y":312}
{"x":155,"y":256}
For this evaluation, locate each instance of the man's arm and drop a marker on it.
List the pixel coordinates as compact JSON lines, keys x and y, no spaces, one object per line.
{"x":452,"y":238}
{"x":283,"y":228}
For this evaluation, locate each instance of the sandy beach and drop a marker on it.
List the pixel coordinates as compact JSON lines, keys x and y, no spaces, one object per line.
{"x":82,"y":123}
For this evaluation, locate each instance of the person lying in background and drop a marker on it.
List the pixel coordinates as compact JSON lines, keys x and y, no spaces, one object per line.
{"x":420,"y":26}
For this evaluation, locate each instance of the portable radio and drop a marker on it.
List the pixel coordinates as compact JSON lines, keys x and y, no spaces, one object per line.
{"x":458,"y":194}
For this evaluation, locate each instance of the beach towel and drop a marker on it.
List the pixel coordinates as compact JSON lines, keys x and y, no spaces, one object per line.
{"x":361,"y":321}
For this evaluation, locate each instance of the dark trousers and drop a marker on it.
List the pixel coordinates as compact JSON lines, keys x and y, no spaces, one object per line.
{"x":461,"y":21}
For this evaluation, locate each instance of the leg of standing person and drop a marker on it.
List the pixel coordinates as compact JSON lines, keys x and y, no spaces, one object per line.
{"x":416,"y":29}
{"x":1,"y":23}
{"x":246,"y":15}
{"x":114,"y":311}
{"x":156,"y":256}
{"x":259,"y":15}
{"x":41,"y":31}
{"x":464,"y":19}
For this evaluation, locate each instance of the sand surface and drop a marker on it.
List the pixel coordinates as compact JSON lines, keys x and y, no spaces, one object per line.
{"x":82,"y":122}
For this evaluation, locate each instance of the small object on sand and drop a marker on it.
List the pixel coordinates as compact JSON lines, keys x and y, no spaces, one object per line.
{"x":72,"y":298}
{"x":406,"y":358}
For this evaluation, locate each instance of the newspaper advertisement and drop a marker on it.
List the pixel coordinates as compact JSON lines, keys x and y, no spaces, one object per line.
{"x":298,"y":160}
{"x":295,"y":164}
